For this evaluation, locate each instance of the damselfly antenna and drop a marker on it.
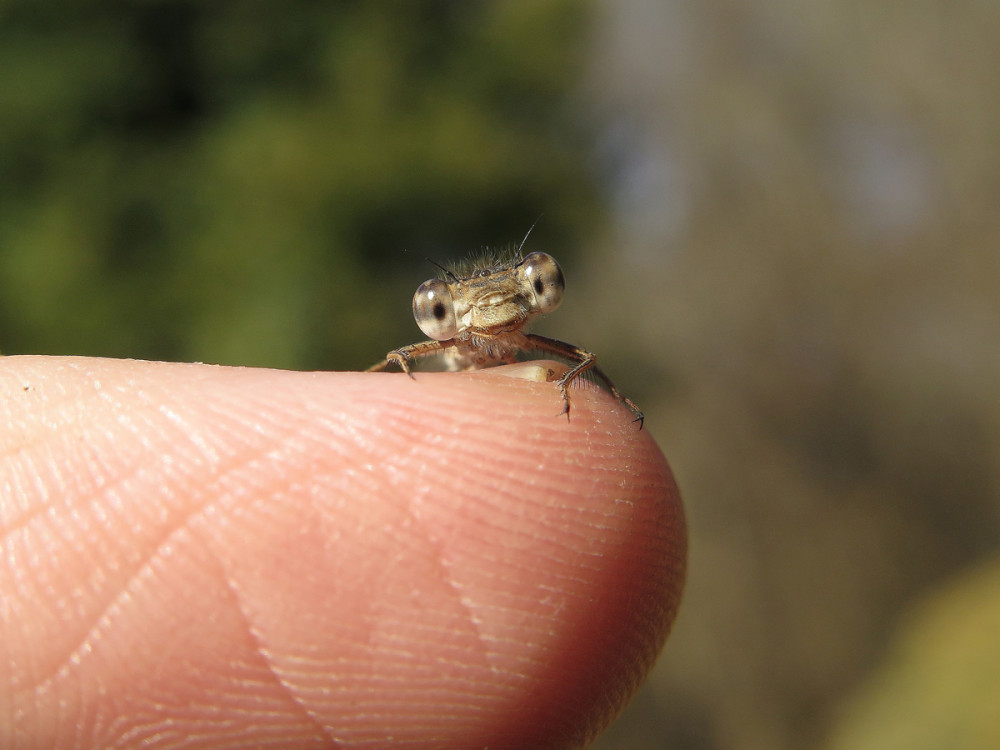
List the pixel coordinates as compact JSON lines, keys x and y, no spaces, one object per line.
{"x":521,"y":246}
{"x":442,"y":269}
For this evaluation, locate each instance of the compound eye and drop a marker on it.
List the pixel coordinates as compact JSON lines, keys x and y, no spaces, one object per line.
{"x":434,"y":310}
{"x":545,"y":278}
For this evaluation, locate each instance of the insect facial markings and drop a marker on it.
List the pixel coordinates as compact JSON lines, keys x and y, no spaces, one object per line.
{"x":498,"y":298}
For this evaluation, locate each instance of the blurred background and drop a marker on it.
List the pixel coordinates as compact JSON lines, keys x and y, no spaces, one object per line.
{"x":778,"y":221}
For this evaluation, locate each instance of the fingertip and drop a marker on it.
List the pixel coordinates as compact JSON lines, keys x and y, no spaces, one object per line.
{"x":563,"y":541}
{"x":335,"y":556}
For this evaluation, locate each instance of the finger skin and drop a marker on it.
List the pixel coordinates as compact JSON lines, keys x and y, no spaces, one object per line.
{"x":195,"y":556}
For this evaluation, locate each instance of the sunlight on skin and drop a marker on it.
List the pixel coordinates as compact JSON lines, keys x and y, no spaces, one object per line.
{"x":196,"y":556}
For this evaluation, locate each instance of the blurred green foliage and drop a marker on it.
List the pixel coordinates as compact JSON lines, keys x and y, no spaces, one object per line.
{"x":258,"y":183}
{"x":939,"y":688}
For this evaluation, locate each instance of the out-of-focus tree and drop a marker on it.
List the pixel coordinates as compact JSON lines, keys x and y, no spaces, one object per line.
{"x":255,"y":183}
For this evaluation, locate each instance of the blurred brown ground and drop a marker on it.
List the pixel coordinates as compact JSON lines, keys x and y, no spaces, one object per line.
{"x":804,"y":269}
